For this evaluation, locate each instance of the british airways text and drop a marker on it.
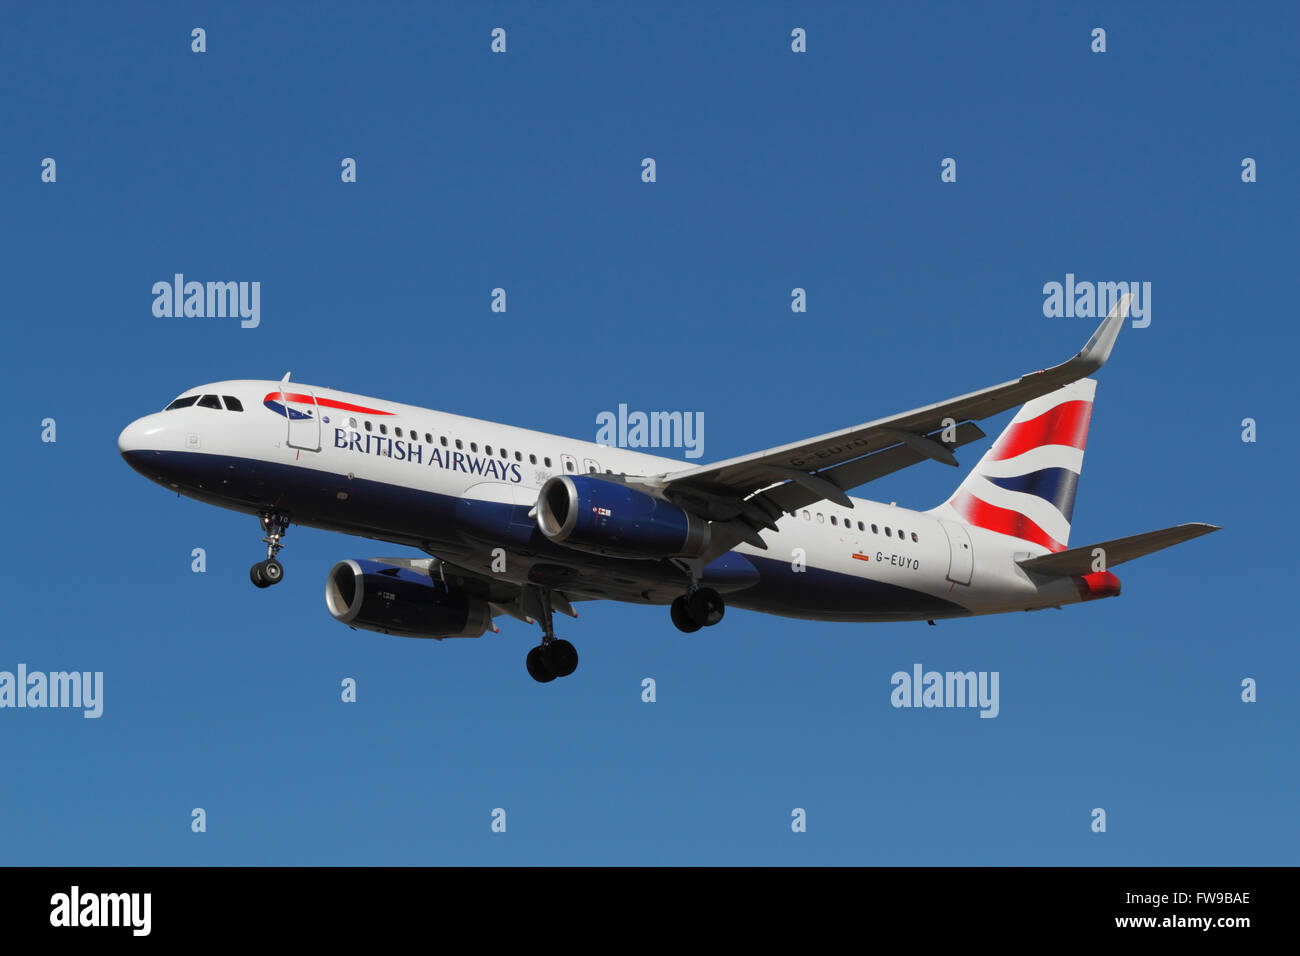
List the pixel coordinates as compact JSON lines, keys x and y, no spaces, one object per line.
{"x":420,"y":454}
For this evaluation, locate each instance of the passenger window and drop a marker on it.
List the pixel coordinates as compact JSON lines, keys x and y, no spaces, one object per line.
{"x":232,"y":404}
{"x":504,"y":453}
{"x":532,"y":459}
{"x":473,"y":446}
{"x":861,"y":526}
{"x":834,"y":521}
{"x":913,"y":535}
{"x":210,"y":401}
{"x":568,"y":465}
{"x":368,"y":426}
{"x":820,"y":519}
{"x":352,"y":423}
{"x":383,"y":429}
{"x":548,"y":462}
{"x":519,"y":456}
{"x":185,"y":402}
{"x":398,"y":431}
{"x":428,"y":438}
{"x":487,"y":449}
{"x":807,"y":516}
{"x":888,"y":533}
{"x":443,"y":439}
{"x":459,"y":445}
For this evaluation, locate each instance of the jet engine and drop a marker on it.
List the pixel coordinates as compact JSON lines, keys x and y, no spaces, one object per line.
{"x":380,"y":597}
{"x":604,"y":517}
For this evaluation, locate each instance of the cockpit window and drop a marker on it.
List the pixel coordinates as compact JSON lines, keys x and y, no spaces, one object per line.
{"x":232,"y":403}
{"x":210,"y":401}
{"x":184,"y":402}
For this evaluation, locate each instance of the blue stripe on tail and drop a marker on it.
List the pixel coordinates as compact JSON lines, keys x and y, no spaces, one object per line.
{"x":1056,"y":485}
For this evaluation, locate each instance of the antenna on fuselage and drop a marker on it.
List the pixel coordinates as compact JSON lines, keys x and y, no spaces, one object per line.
{"x":285,"y":379}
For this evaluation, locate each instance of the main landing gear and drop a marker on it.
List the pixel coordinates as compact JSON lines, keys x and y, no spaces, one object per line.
{"x":553,"y":657}
{"x":268,"y":572}
{"x":699,"y":608}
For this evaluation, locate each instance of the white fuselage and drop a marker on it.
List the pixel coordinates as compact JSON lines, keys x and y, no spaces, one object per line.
{"x":411,"y":475}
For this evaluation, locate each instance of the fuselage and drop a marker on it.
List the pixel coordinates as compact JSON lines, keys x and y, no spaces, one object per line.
{"x":464,"y":490}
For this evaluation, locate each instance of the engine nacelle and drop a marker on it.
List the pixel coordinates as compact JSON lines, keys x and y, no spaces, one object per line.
{"x":604,"y":517}
{"x":379,"y":597}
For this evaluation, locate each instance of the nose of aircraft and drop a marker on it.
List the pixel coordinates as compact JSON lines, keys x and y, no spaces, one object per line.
{"x":131,"y":439}
{"x":144,"y":441}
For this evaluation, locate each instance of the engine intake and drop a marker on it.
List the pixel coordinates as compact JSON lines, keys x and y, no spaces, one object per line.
{"x":379,"y":597}
{"x":604,"y":517}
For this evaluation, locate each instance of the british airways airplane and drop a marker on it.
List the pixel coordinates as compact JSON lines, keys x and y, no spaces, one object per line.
{"x":525,"y":524}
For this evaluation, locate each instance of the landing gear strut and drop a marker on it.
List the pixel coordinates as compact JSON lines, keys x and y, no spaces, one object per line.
{"x":700,"y":607}
{"x":268,"y":572}
{"x":553,"y":657}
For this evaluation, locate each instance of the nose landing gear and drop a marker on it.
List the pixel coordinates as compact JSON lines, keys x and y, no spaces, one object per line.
{"x":268,"y":572}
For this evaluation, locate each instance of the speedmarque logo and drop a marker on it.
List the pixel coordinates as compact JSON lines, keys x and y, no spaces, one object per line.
{"x":102,"y":909}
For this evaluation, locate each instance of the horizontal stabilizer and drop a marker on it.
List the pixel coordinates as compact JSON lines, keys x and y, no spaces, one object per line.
{"x":1082,"y":560}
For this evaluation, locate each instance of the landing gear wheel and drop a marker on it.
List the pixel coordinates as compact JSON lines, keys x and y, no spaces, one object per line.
{"x":536,"y":664}
{"x":552,"y":658}
{"x":706,"y":607}
{"x":680,"y":612}
{"x":268,"y":572}
{"x":272,"y":571}
{"x":560,"y":657}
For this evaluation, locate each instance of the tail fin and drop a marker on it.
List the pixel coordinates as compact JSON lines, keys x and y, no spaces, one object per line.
{"x":1024,"y":485}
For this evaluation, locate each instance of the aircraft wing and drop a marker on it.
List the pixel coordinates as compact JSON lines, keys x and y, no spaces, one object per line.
{"x":744,"y":495}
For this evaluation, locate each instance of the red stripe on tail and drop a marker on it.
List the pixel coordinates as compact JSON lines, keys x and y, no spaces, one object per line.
{"x":1066,"y":424}
{"x":992,"y":518}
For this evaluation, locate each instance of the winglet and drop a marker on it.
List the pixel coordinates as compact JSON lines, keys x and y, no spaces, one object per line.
{"x":1097,"y":351}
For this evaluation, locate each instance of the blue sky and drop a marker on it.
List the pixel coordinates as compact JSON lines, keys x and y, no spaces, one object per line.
{"x":775,"y":170}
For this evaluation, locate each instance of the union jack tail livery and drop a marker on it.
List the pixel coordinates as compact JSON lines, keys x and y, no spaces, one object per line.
{"x":1024,"y":485}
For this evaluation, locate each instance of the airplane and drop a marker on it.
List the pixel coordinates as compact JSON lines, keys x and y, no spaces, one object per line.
{"x":525,"y":524}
